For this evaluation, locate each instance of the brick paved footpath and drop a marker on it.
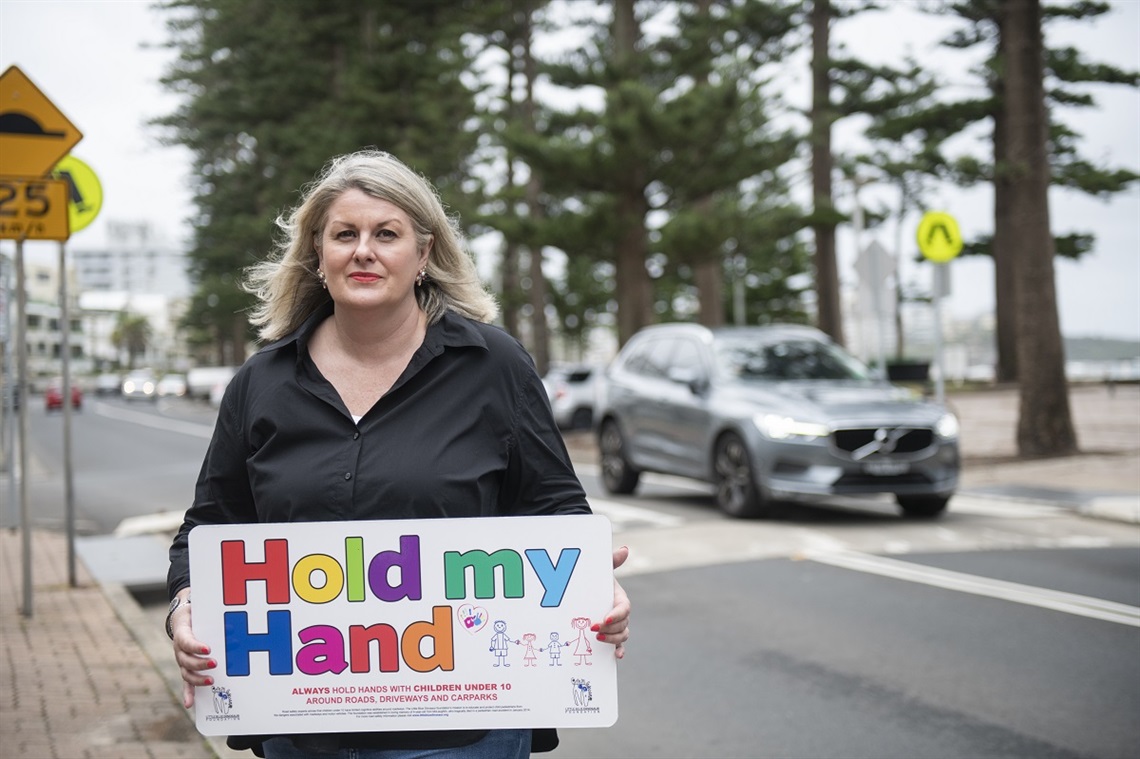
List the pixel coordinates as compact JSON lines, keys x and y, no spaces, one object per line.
{"x":71,"y":686}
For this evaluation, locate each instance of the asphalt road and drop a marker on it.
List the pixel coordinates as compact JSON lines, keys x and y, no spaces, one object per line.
{"x":837,"y":630}
{"x":781,"y":658}
{"x":128,"y":458}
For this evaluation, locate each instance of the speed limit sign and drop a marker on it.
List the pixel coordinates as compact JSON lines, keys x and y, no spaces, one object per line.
{"x":34,"y":209}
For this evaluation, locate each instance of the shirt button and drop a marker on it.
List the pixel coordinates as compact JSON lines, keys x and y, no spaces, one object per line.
{"x":348,"y":475}
{"x":355,"y":435}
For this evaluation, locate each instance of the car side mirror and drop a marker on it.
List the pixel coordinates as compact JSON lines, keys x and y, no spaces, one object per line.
{"x":695,"y":381}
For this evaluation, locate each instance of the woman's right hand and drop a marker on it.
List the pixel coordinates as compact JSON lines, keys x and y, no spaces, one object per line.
{"x":191,"y":654}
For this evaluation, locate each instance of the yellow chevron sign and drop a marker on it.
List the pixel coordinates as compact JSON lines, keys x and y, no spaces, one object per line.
{"x":938,"y":237}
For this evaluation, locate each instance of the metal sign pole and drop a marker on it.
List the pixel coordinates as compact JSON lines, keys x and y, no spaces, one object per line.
{"x":65,"y":356}
{"x":9,"y":431}
{"x":22,"y":389}
{"x":39,"y":211}
{"x":939,"y":288}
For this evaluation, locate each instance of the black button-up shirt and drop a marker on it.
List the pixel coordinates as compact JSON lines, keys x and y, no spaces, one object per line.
{"x":465,"y":431}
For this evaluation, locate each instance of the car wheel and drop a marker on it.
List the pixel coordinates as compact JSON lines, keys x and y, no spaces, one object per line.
{"x":737,"y":493}
{"x":582,"y":419}
{"x":922,"y":506}
{"x":618,"y":476}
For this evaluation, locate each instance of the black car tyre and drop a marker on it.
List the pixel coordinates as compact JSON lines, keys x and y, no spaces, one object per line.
{"x":922,"y":506}
{"x":737,"y":493}
{"x":581,"y":419}
{"x":618,"y":477}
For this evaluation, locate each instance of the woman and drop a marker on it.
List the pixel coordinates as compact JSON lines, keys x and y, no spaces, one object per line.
{"x":382,"y":393}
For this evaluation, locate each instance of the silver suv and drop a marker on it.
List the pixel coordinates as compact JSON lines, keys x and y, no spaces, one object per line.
{"x":769,"y":413}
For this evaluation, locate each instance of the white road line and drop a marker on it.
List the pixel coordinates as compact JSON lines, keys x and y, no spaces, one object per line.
{"x":623,"y":512}
{"x":1070,"y":603}
{"x":1004,"y":509}
{"x":157,"y":422}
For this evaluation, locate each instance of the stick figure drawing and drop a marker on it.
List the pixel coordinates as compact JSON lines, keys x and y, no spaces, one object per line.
{"x":582,"y":647}
{"x":529,"y":655}
{"x":499,"y":643}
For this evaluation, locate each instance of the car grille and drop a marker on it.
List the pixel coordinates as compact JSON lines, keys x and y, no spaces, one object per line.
{"x":872,"y":481}
{"x":907,"y":440}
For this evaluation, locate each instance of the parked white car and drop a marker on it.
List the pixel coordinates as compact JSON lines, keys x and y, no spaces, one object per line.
{"x":140,"y":385}
{"x":108,"y":383}
{"x":571,"y":392}
{"x":200,"y":381}
{"x":172,"y":384}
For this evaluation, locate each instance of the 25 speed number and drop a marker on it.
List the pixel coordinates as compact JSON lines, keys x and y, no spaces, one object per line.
{"x":33,"y":209}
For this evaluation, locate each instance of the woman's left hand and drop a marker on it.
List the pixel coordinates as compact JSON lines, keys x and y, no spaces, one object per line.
{"x":615,"y":628}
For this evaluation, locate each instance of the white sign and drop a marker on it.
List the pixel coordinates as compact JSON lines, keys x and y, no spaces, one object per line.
{"x":433,"y":624}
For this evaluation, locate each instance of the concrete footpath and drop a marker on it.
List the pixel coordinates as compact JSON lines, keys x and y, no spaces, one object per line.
{"x":89,"y":674}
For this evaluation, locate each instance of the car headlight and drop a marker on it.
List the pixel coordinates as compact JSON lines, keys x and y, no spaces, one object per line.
{"x":148,"y":388}
{"x":947,"y":427}
{"x":128,"y":387}
{"x":783,"y":427}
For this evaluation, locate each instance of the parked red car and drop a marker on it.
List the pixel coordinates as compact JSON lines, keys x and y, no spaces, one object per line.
{"x":53,"y":396}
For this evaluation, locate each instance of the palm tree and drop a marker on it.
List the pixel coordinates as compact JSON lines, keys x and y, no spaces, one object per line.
{"x":131,"y":334}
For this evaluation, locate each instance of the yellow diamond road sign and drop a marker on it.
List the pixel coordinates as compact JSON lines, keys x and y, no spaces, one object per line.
{"x":34,"y":135}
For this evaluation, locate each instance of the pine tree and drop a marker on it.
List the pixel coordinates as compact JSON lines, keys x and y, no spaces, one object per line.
{"x":273,"y":90}
{"x":1065,"y":69}
{"x":682,"y":128}
{"x":824,"y":215}
{"x":842,"y":87}
{"x":1045,"y":425}
{"x":514,"y":209}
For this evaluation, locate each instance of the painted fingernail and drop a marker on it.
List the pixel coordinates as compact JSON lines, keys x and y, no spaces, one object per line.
{"x":601,"y":636}
{"x":209,"y":681}
{"x":211,"y":664}
{"x":595,"y":628}
{"x":205,"y":649}
{"x":609,"y":620}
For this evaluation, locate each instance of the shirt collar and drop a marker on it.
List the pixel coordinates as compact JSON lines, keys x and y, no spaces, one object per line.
{"x":450,"y":331}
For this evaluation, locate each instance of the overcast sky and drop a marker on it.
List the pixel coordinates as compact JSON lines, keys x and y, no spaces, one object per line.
{"x":99,"y":61}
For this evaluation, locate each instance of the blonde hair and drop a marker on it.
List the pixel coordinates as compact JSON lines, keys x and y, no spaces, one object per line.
{"x":286,"y":284}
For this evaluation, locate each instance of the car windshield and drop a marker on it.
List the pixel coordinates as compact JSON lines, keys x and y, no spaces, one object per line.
{"x":748,"y":359}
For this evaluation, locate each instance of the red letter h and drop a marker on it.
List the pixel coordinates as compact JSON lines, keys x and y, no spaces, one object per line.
{"x":236,"y":572}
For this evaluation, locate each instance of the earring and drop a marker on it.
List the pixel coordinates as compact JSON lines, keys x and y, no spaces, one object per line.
{"x":321,"y":277}
{"x":421,"y":276}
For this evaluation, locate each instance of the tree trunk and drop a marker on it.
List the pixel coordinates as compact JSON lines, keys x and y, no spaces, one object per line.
{"x":708,"y":275}
{"x":510,"y":289}
{"x":510,"y":285}
{"x":708,"y":270}
{"x":235,"y":344}
{"x":830,"y":317}
{"x":634,"y":290}
{"x":1005,"y":300}
{"x":1045,"y":425}
{"x":540,"y":348}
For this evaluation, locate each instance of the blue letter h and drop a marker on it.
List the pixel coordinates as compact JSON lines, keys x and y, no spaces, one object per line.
{"x":240,"y":643}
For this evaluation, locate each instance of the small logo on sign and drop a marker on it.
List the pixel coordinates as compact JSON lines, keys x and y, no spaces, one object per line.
{"x":223,"y":700}
{"x":473,"y":618}
{"x":582,"y":692}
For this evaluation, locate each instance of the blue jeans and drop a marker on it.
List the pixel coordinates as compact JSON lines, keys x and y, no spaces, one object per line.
{"x":497,"y":744}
